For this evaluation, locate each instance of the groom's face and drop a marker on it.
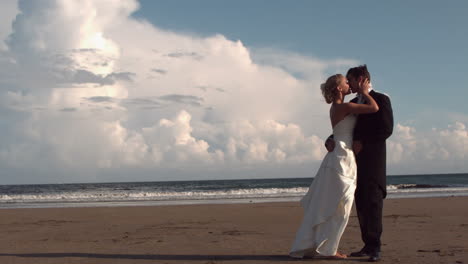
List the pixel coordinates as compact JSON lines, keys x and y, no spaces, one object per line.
{"x":353,"y":83}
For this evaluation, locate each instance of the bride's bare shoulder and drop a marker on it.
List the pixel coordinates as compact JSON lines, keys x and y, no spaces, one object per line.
{"x":343,"y":107}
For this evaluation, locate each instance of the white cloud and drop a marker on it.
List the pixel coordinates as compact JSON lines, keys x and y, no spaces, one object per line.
{"x":8,"y":12}
{"x":172,"y":143}
{"x":435,"y":151}
{"x":99,"y":90}
{"x":270,"y":141}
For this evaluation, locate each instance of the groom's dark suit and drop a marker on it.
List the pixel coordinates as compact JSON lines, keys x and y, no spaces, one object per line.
{"x":372,"y":130}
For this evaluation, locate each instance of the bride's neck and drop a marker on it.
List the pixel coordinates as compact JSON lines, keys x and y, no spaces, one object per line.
{"x":338,"y":101}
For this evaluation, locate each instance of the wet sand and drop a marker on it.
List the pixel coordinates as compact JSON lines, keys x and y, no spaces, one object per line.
{"x":417,"y":230}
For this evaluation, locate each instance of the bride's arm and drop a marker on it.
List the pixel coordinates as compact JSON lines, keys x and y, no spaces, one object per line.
{"x":330,"y":143}
{"x":370,"y":105}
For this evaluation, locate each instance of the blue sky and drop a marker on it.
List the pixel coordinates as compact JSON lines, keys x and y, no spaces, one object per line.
{"x":416,"y":50}
{"x":146,"y":90}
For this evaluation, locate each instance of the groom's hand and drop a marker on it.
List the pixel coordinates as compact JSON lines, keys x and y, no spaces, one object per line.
{"x":330,"y":144}
{"x":357,"y":146}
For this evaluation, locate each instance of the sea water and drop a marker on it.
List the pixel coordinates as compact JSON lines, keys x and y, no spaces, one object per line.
{"x":208,"y":191}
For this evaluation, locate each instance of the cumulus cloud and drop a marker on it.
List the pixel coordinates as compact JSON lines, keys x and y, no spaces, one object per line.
{"x":8,"y":12}
{"x":435,"y":151}
{"x":98,"y":90}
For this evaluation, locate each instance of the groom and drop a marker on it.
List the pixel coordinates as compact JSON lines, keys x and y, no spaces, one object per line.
{"x":370,"y":133}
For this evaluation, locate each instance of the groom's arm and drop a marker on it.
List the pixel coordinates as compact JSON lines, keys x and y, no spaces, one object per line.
{"x":385,"y":127}
{"x":358,"y":132}
{"x":379,"y":127}
{"x":330,"y":143}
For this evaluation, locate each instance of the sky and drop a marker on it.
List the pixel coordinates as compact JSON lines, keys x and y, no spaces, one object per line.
{"x":107,"y":90}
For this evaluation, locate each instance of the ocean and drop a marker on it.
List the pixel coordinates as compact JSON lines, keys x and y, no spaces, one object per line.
{"x":208,"y":191}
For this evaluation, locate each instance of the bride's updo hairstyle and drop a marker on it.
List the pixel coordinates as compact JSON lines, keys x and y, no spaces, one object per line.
{"x":328,"y":88}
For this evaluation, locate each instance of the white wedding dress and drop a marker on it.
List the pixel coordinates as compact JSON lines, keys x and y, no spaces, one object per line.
{"x":328,"y":202}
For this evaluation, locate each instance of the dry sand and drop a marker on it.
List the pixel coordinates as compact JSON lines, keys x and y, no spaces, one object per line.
{"x":418,"y":230}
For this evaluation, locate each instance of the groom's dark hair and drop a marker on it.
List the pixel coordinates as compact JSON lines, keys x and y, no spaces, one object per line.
{"x":359,"y":71}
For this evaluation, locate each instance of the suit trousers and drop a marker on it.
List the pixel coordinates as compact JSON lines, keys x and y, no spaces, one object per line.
{"x":369,"y":204}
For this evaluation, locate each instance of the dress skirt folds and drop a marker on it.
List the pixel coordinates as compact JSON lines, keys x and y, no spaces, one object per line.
{"x":328,"y":202}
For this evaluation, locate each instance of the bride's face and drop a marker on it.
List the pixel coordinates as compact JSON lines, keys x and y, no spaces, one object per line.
{"x":344,"y":86}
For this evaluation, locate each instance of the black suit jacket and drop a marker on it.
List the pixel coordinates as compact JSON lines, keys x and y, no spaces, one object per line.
{"x":373,"y":130}
{"x":377,"y":126}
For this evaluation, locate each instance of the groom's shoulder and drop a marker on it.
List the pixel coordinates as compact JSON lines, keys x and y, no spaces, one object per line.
{"x":382,"y":95}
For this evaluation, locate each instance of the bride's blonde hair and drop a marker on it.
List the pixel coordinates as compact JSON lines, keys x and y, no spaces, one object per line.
{"x":328,"y":88}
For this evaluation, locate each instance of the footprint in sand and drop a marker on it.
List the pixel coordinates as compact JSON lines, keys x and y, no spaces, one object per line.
{"x":238,"y":233}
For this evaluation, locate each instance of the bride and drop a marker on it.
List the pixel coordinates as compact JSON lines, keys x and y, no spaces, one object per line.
{"x":328,"y":202}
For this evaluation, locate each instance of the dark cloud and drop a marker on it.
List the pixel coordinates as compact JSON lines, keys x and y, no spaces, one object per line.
{"x":160,"y":71}
{"x":183,"y":99}
{"x":58,"y":59}
{"x":68,"y":109}
{"x":85,"y":50}
{"x":100,"y":99}
{"x":125,"y":76}
{"x":144,"y":103}
{"x":205,"y":88}
{"x":151,"y":107}
{"x":181,"y":54}
{"x":163,"y":101}
{"x":84,"y":76}
{"x":101,"y":64}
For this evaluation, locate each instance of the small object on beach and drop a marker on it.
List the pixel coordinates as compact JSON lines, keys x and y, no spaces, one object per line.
{"x":459,"y":261}
{"x":232,"y":233}
{"x":435,"y":250}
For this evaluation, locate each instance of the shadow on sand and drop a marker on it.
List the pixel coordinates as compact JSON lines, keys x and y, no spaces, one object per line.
{"x":161,"y":256}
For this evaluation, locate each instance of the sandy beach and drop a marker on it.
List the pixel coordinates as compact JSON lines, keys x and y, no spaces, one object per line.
{"x":418,"y":230}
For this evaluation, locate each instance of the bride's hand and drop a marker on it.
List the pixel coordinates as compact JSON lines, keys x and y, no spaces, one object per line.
{"x":357,"y":147}
{"x":364,"y":86}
